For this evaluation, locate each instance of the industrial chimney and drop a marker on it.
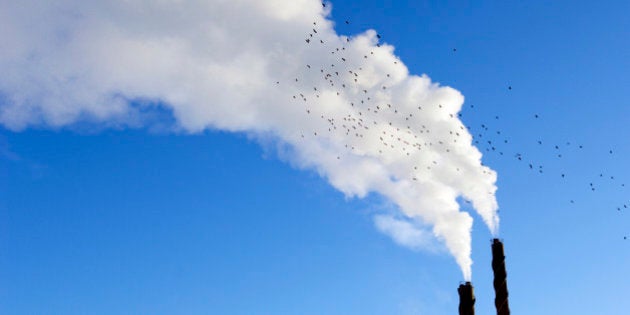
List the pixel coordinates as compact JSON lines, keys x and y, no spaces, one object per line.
{"x":500,"y":282}
{"x":466,"y":299}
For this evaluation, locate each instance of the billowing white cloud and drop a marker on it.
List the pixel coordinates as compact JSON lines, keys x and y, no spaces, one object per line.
{"x":347,"y":107}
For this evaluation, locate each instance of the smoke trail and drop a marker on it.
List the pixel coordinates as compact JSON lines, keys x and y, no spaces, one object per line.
{"x":347,"y":107}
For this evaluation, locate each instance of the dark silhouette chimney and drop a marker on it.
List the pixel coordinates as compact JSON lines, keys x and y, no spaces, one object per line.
{"x":500,"y":282}
{"x":466,"y":299}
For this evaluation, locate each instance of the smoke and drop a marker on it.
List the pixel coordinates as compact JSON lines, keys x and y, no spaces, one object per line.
{"x":347,"y":107}
{"x":405,"y":232}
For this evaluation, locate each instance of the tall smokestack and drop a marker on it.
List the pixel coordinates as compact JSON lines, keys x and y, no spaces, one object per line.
{"x":500,"y":282}
{"x":466,"y":299}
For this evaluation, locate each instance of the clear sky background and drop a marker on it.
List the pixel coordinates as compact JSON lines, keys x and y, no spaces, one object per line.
{"x":98,"y":220}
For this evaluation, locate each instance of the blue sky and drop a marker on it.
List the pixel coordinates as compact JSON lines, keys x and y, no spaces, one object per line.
{"x":99,"y":218}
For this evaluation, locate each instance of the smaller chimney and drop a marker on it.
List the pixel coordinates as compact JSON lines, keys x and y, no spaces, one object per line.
{"x":466,"y":299}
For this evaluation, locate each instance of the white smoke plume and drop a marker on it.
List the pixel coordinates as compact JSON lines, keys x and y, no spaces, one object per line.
{"x":346,"y":106}
{"x":405,"y":232}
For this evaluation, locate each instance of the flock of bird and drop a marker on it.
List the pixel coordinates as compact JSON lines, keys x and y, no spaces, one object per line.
{"x":491,"y":142}
{"x":394,"y":129}
{"x":367,"y":120}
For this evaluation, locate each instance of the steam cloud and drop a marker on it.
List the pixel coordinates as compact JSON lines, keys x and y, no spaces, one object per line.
{"x":216,"y":64}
